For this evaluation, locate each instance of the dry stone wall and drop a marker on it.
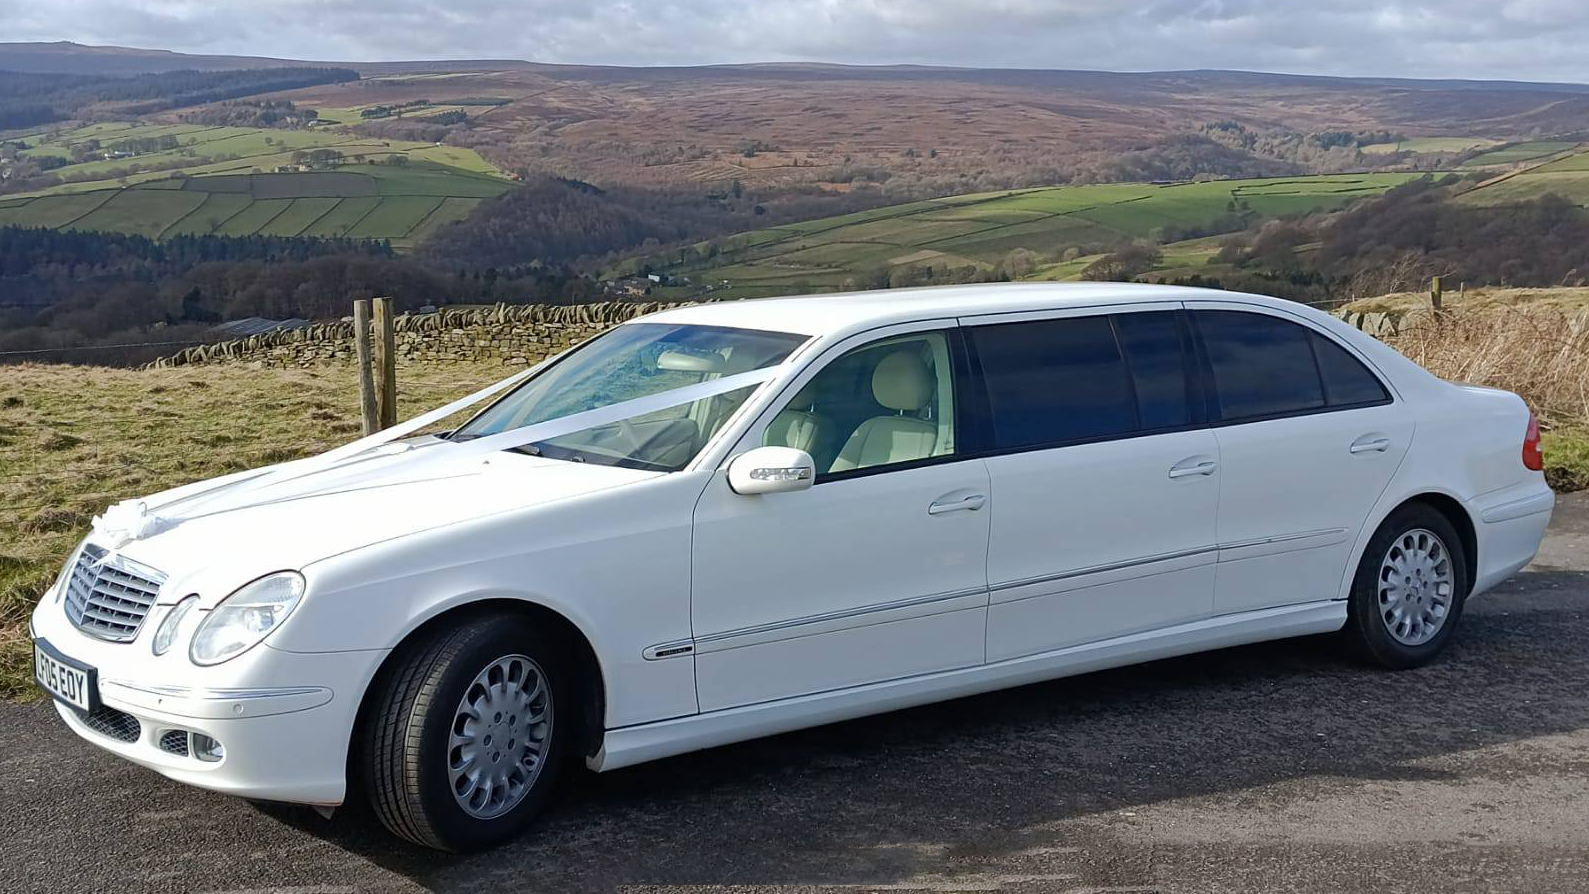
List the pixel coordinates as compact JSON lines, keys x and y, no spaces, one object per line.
{"x":510,"y":334}
{"x":1386,"y":324}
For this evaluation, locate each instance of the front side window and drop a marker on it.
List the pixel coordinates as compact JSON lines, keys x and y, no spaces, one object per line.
{"x":632,"y":361}
{"x":882,"y":404}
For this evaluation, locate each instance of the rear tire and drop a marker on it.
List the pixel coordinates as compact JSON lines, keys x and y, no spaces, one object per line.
{"x":1409,"y":590}
{"x":466,"y":737}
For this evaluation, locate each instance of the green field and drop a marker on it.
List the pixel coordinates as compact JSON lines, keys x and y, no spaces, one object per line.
{"x":400,"y":203}
{"x":1430,"y":145}
{"x":1516,"y":152}
{"x":981,"y":229}
{"x":1567,"y":177}
{"x":204,"y":149}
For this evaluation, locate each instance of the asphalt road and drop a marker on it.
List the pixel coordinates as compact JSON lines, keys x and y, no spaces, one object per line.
{"x":1281,"y":767}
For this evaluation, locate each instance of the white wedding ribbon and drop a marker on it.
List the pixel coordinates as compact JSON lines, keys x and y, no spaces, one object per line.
{"x":363,"y":462}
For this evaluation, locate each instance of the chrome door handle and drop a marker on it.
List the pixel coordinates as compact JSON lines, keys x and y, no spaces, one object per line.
{"x":973,"y":502}
{"x":1206,"y":467}
{"x":1368,"y":444}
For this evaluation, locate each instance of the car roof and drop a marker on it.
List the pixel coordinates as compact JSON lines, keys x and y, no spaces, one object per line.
{"x":840,"y":312}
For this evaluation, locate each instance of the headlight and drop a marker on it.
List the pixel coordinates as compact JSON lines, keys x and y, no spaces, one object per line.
{"x":66,"y":571}
{"x":246,"y":617}
{"x":168,"y":629}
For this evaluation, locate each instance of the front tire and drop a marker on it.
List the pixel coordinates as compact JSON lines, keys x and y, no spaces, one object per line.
{"x":465,"y":740}
{"x":1409,"y":590}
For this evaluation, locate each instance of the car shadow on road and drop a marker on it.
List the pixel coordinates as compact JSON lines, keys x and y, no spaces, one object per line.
{"x":877,"y":800}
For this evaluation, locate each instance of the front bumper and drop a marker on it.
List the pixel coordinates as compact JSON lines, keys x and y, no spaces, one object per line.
{"x":284,"y":719}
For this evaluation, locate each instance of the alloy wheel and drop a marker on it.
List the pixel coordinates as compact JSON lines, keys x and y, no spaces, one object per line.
{"x":1416,"y":587}
{"x":500,"y":736}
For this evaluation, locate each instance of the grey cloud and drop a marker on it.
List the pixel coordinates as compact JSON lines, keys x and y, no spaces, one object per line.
{"x":1519,"y":39}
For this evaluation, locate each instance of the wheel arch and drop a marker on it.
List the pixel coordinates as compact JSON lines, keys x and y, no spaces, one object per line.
{"x":1449,"y":507}
{"x":590,"y":681}
{"x":1458,"y":516}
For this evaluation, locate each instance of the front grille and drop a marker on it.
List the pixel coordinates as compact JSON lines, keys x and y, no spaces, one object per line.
{"x":118,"y":725}
{"x":109,"y":599}
{"x":175,"y":741}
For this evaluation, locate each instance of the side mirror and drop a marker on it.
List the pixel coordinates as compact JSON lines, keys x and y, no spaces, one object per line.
{"x":771,"y":470}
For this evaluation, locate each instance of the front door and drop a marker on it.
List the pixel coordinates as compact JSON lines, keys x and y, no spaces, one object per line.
{"x":876,"y":572}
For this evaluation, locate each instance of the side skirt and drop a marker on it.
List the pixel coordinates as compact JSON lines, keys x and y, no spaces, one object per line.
{"x":630,"y":745}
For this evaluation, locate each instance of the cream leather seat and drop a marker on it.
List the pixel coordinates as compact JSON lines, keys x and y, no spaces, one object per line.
{"x":902,"y":382}
{"x":794,"y":428}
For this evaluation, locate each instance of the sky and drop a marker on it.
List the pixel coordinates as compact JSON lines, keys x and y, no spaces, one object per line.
{"x":1500,"y":39}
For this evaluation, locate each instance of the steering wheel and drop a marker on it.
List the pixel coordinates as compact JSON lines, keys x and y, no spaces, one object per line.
{"x":630,"y":435}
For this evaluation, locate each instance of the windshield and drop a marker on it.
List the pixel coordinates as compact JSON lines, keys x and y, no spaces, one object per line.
{"x":628,"y":362}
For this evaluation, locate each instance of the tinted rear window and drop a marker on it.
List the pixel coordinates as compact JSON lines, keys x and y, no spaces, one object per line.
{"x":1263,"y":365}
{"x":1346,"y":379}
{"x":1054,"y":381}
{"x":1156,"y":354}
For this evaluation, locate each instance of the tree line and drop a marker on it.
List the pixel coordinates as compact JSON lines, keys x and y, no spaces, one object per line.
{"x":1396,"y":242}
{"x":253,"y":113}
{"x":553,"y":220}
{"x":29,"y":100}
{"x":74,"y":289}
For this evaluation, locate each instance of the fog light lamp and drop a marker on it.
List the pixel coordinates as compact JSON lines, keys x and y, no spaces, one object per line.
{"x":207,"y":749}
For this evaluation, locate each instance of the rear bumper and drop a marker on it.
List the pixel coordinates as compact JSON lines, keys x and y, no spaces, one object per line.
{"x":1509,"y":526}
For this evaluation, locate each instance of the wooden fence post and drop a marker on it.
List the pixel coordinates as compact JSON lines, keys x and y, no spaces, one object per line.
{"x":385,"y":364}
{"x":1434,"y":292}
{"x":361,"y":351}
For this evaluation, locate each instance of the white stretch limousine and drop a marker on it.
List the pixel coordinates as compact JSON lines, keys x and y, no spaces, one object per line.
{"x":731,"y":520}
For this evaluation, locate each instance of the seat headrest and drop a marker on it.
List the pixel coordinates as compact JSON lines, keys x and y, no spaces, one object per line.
{"x":901,"y":382}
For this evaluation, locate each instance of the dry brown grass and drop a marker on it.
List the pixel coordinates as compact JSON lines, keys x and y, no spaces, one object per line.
{"x":1478,"y":299}
{"x":1540,"y":351}
{"x":75,"y":439}
{"x":1531,"y":341}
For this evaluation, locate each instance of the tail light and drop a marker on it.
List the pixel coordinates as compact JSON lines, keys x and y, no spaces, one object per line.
{"x":1532,"y":458}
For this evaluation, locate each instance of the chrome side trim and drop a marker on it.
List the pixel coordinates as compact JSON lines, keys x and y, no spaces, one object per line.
{"x":1254,"y":546}
{"x":1283,"y":543}
{"x":1282,"y":538}
{"x":1100,"y":569}
{"x":729,"y":639}
{"x":627,"y":745}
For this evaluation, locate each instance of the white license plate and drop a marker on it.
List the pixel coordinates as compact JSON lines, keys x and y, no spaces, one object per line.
{"x":70,"y":684}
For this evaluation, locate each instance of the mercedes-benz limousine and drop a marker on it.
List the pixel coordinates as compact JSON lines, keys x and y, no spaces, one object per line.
{"x":731,"y":520}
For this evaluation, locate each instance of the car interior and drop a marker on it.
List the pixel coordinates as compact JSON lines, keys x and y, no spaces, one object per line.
{"x":882,"y":404}
{"x":666,"y":439}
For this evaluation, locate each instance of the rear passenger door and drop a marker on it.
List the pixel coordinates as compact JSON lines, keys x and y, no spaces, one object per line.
{"x":1309,"y":437}
{"x":1104,"y":476}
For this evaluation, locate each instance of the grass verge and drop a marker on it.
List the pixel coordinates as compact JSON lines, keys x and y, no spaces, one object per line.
{"x":1566,"y":458}
{"x":75,"y":439}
